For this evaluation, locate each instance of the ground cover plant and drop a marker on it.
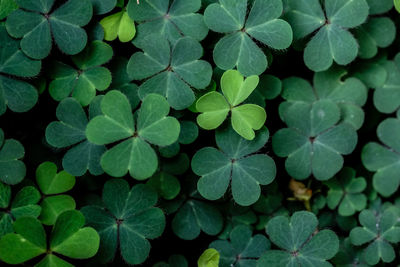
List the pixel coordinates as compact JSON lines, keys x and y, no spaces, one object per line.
{"x":179,"y":133}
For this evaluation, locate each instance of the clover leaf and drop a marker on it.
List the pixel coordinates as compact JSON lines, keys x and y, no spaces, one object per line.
{"x":37,"y":23}
{"x":101,"y":7}
{"x":118,"y":25}
{"x":170,"y":70}
{"x":24,"y":204}
{"x":378,"y":231}
{"x":377,"y":7}
{"x":6,"y":7}
{"x":12,"y":169}
{"x":397,"y":5}
{"x":166,"y":185}
{"x":332,"y":41}
{"x":349,"y":95}
{"x":209,"y":258}
{"x":18,"y":95}
{"x":193,"y":214}
{"x":134,"y":153}
{"x":126,"y":221}
{"x":215,"y":107}
{"x":238,"y":48}
{"x":300,"y":240}
{"x":52,"y":184}
{"x":82,"y":83}
{"x":387,"y":97}
{"x":371,"y":72}
{"x":376,"y":33}
{"x":69,"y":131}
{"x":234,"y":163}
{"x":172,"y":19}
{"x":243,"y":248}
{"x":345,"y":192}
{"x":315,"y":140}
{"x":384,"y":159}
{"x":68,"y":238}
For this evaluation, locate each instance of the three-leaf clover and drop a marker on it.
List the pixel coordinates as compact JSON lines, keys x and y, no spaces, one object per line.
{"x":134,"y":153}
{"x":238,"y":48}
{"x":332,"y":41}
{"x":170,"y":70}
{"x":384,"y":159}
{"x":118,"y":25}
{"x":172,"y":19}
{"x":345,"y":192}
{"x":215,"y":107}
{"x":52,"y":184}
{"x":194,"y":215}
{"x":18,"y":95}
{"x":68,"y":238}
{"x":23,"y":204}
{"x":12,"y":169}
{"x":69,"y":131}
{"x":126,"y":221}
{"x":234,"y":163}
{"x":378,"y":231}
{"x":349,"y":94}
{"x":387,"y":97}
{"x":301,"y":242}
{"x":315,"y":140}
{"x":36,"y":23}
{"x":82,"y":83}
{"x":243,"y":249}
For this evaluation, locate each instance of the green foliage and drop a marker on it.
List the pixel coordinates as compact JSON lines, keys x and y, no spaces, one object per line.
{"x":298,"y":242}
{"x":118,"y":25}
{"x":175,"y":94}
{"x":209,"y":258}
{"x":173,"y":21}
{"x":52,"y":184}
{"x":12,"y":169}
{"x":38,"y":23}
{"x":82,"y":83}
{"x":68,"y":238}
{"x":134,"y":154}
{"x":215,"y":107}
{"x":384,"y":159}
{"x":345,"y":192}
{"x":70,"y":131}
{"x":397,"y":5}
{"x":332,"y":41}
{"x":243,"y":248}
{"x":23,"y":204}
{"x":177,"y":70}
{"x":387,"y":97}
{"x":17,"y":95}
{"x":126,"y":221}
{"x":234,"y":163}
{"x":237,"y":48}
{"x":378,"y":231}
{"x":6,"y":7}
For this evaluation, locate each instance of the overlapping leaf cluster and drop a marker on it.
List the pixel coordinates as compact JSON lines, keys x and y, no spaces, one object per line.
{"x":211,"y":132}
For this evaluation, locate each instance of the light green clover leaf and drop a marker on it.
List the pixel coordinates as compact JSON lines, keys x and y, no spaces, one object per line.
{"x":215,"y":107}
